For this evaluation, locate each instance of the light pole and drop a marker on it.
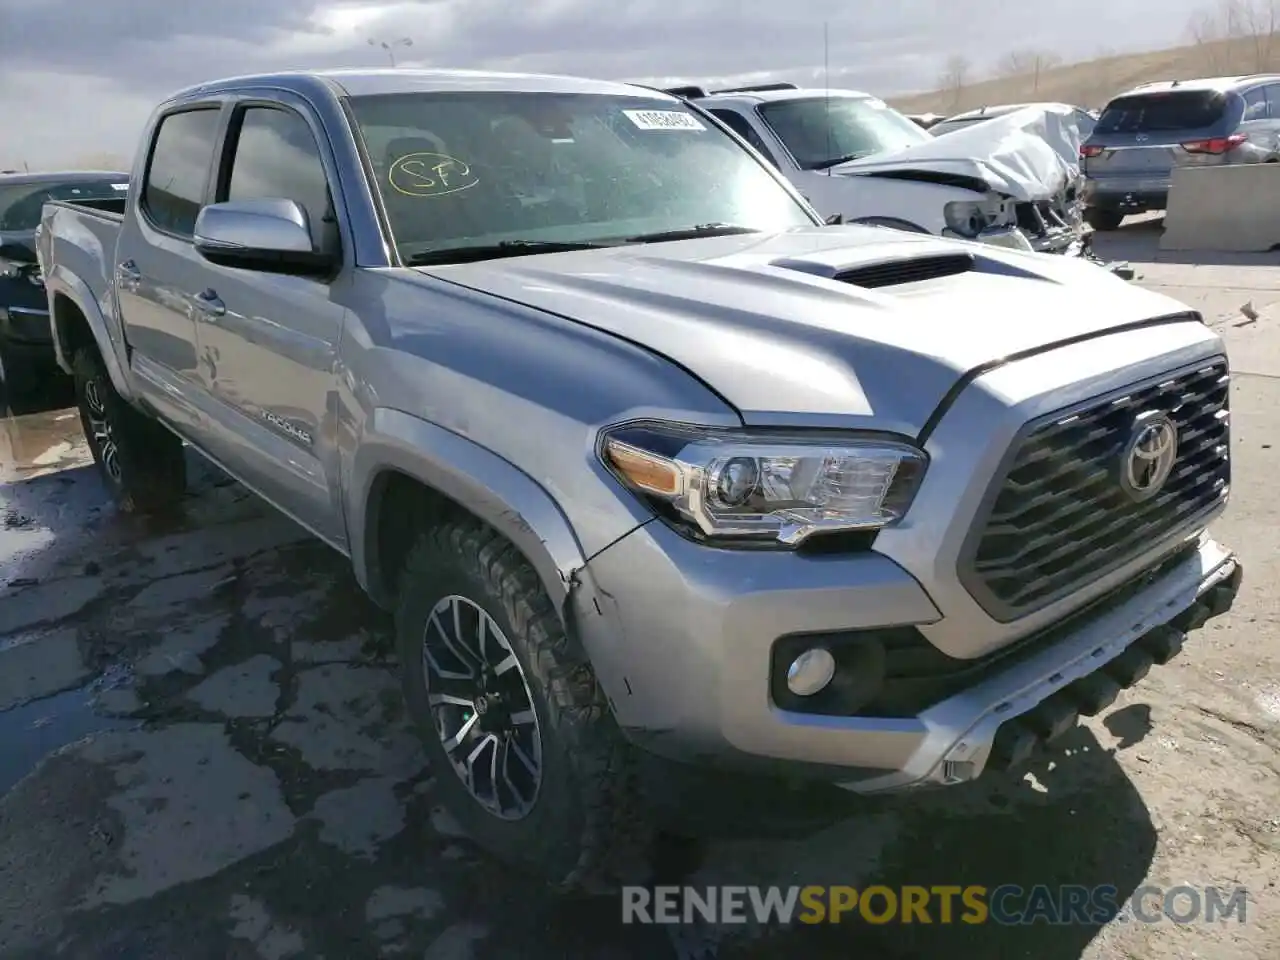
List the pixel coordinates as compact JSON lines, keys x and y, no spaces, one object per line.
{"x":390,"y":46}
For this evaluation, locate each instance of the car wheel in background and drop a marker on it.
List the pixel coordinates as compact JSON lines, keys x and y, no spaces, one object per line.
{"x":1103,"y":219}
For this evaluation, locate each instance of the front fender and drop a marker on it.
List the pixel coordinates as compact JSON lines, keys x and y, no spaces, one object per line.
{"x":492,"y":488}
{"x":62,"y":283}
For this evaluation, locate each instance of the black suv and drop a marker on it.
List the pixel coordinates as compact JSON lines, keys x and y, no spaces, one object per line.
{"x":26,"y":343}
{"x":1128,"y":159}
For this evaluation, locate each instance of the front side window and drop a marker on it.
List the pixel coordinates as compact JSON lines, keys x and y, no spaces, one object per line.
{"x":821,"y":132}
{"x":276,"y":158}
{"x":179,"y":169}
{"x":459,"y":170}
{"x":21,"y":204}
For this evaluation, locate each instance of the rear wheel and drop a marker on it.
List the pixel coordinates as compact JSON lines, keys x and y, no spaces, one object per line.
{"x":141,"y":462}
{"x":525,"y":749}
{"x":1103,"y":219}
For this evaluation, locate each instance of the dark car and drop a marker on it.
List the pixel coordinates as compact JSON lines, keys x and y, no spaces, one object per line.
{"x":26,"y":345}
{"x":1143,"y":134}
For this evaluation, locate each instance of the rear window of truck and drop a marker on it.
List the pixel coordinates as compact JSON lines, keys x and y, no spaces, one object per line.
{"x":1159,"y":112}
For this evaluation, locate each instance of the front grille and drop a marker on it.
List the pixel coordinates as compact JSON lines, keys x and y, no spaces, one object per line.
{"x":896,"y":272}
{"x":1057,"y":517}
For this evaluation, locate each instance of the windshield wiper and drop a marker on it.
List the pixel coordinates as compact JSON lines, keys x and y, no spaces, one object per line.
{"x":494,"y":251}
{"x":692,"y":233}
{"x":828,"y":164}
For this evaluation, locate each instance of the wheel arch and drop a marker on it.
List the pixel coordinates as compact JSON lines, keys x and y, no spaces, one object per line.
{"x":407,"y":471}
{"x":77,"y":321}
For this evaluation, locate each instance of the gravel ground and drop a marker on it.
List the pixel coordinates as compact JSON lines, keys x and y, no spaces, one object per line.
{"x":202,"y":753}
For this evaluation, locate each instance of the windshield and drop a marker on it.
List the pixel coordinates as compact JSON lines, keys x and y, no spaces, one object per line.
{"x":949,"y":126}
{"x":823,"y":131}
{"x":20,"y":203}
{"x":1163,"y":112}
{"x":459,"y":170}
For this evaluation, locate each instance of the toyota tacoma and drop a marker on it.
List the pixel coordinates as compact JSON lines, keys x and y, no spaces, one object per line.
{"x":646,"y":459}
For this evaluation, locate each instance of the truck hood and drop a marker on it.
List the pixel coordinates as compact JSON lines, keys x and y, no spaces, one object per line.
{"x":776,"y":324}
{"x":1028,"y":155}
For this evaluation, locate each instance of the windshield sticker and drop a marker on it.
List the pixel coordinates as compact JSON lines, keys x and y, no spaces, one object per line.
{"x":664,"y":120}
{"x":430,"y":175}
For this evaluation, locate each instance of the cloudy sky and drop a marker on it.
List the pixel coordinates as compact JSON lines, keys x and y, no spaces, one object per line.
{"x":78,"y":77}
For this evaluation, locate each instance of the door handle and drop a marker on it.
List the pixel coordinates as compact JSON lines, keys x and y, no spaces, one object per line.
{"x":128,"y":275}
{"x":209,"y":305}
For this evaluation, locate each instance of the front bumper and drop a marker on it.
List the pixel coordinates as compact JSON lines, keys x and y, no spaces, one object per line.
{"x":1128,"y":195}
{"x":1056,"y":240}
{"x":686,"y":650}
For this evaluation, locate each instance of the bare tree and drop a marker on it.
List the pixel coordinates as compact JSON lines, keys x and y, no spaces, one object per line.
{"x":954,"y":78}
{"x":1033,"y":63}
{"x":1254,"y":25}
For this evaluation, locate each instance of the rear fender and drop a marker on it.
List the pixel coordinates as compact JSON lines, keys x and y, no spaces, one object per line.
{"x":62,"y":285}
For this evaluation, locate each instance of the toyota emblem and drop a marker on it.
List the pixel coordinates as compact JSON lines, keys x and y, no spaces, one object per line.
{"x":1149,"y":456}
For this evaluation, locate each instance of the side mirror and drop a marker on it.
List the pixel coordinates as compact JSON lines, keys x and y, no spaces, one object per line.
{"x":835,"y":220}
{"x":266,"y":234}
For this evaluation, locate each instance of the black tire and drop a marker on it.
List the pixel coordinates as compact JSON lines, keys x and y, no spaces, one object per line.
{"x":1103,"y":219}
{"x":584,"y":831}
{"x":140,"y":461}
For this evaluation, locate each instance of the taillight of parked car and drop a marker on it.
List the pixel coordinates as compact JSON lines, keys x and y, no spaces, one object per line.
{"x":1089,"y":150}
{"x":1215,"y":145}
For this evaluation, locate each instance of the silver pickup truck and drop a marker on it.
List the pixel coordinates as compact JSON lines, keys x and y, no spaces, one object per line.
{"x":646,"y":460}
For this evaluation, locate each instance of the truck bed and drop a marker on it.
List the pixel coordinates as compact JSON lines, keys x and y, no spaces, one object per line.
{"x":108,"y":208}
{"x":79,"y":239}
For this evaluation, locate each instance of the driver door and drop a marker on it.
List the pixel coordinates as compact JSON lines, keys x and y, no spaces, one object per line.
{"x":268,"y":342}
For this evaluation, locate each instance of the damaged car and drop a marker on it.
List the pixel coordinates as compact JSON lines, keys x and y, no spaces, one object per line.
{"x":1010,"y":183}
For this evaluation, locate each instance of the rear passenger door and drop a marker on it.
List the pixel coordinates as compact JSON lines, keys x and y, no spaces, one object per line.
{"x":268,"y":349}
{"x":158,"y":267}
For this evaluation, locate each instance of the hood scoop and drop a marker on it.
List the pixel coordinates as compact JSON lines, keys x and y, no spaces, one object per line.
{"x":893,"y":273}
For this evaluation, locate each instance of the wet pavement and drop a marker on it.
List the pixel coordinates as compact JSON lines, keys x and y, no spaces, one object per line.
{"x":203,"y":755}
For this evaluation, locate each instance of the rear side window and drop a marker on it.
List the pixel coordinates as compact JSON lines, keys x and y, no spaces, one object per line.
{"x":1158,"y":112}
{"x":179,"y":169}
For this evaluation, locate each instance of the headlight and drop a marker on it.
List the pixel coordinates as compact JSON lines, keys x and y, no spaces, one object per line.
{"x":970,"y":217}
{"x":736,"y":486}
{"x":10,"y":270}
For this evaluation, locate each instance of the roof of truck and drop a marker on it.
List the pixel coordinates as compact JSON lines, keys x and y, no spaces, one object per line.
{"x":357,"y":83}
{"x":772,"y":96}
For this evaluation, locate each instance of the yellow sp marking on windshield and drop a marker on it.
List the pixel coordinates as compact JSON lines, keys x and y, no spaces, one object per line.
{"x":430,"y":175}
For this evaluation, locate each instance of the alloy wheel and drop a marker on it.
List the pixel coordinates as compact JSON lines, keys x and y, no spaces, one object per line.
{"x":482,"y":707}
{"x":100,"y":429}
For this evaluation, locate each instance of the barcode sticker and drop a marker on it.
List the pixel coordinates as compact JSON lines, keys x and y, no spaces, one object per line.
{"x":664,"y":120}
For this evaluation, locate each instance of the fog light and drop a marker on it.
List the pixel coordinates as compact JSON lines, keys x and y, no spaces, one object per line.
{"x":810,"y":672}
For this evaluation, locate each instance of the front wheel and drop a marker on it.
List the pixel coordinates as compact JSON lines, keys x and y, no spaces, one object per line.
{"x":140,"y":461}
{"x":526,"y":752}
